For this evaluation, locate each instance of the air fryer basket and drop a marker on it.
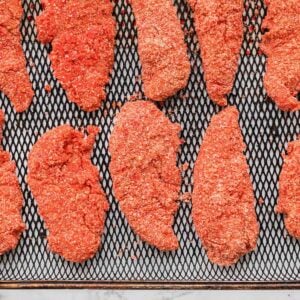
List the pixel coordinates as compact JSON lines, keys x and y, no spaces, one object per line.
{"x":124,"y":260}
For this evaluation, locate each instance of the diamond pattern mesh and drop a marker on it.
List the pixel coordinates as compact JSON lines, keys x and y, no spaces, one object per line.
{"x":123,"y":256}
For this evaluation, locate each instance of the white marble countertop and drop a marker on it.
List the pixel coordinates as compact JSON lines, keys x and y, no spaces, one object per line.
{"x":146,"y":295}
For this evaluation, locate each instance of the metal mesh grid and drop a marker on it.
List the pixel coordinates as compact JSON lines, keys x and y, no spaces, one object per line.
{"x":123,"y":256}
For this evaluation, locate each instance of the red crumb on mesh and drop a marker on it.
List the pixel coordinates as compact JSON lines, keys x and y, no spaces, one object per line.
{"x":289,"y":189}
{"x":223,"y":201}
{"x":114,"y":104}
{"x":281,"y":44}
{"x":146,"y":181}
{"x":186,"y":197}
{"x":66,"y":187}
{"x":219,"y":26}
{"x":14,"y":80}
{"x":82,"y":35}
{"x":11,"y":224}
{"x":133,"y":97}
{"x":47,"y":88}
{"x":184,"y":166}
{"x":161,"y":47}
{"x":261,"y":201}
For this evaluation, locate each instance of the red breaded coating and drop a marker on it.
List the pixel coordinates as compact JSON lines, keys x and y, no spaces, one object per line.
{"x":82,"y":34}
{"x":281,"y":44}
{"x":219,"y":26}
{"x":66,"y":186}
{"x":146,"y":181}
{"x":223,"y":202}
{"x":289,"y":189}
{"x":14,"y":80}
{"x":11,"y":199}
{"x":161,"y":47}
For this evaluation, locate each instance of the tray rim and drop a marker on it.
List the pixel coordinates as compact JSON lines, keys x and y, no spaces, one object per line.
{"x":166,"y":285}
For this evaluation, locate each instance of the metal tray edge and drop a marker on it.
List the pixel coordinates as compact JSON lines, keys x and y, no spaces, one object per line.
{"x":238,"y":285}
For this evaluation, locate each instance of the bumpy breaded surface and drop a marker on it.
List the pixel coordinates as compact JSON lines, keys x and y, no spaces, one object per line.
{"x":281,"y":44}
{"x":146,"y":181}
{"x":289,"y":189}
{"x":82,"y":34}
{"x":219,"y":27}
{"x":161,"y":48}
{"x":65,"y":185}
{"x":14,"y":79}
{"x":223,"y":201}
{"x":11,"y":199}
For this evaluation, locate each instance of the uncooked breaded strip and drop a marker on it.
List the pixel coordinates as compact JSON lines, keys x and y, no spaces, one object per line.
{"x":289,"y":189}
{"x":146,"y":181}
{"x":11,"y":199}
{"x":219,"y":27}
{"x":65,"y":185}
{"x":223,"y":202}
{"x":161,"y":48}
{"x":82,"y":34}
{"x":14,"y":80}
{"x":281,"y":44}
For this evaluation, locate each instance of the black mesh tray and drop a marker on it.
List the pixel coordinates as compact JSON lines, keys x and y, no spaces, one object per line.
{"x":125,"y":261}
